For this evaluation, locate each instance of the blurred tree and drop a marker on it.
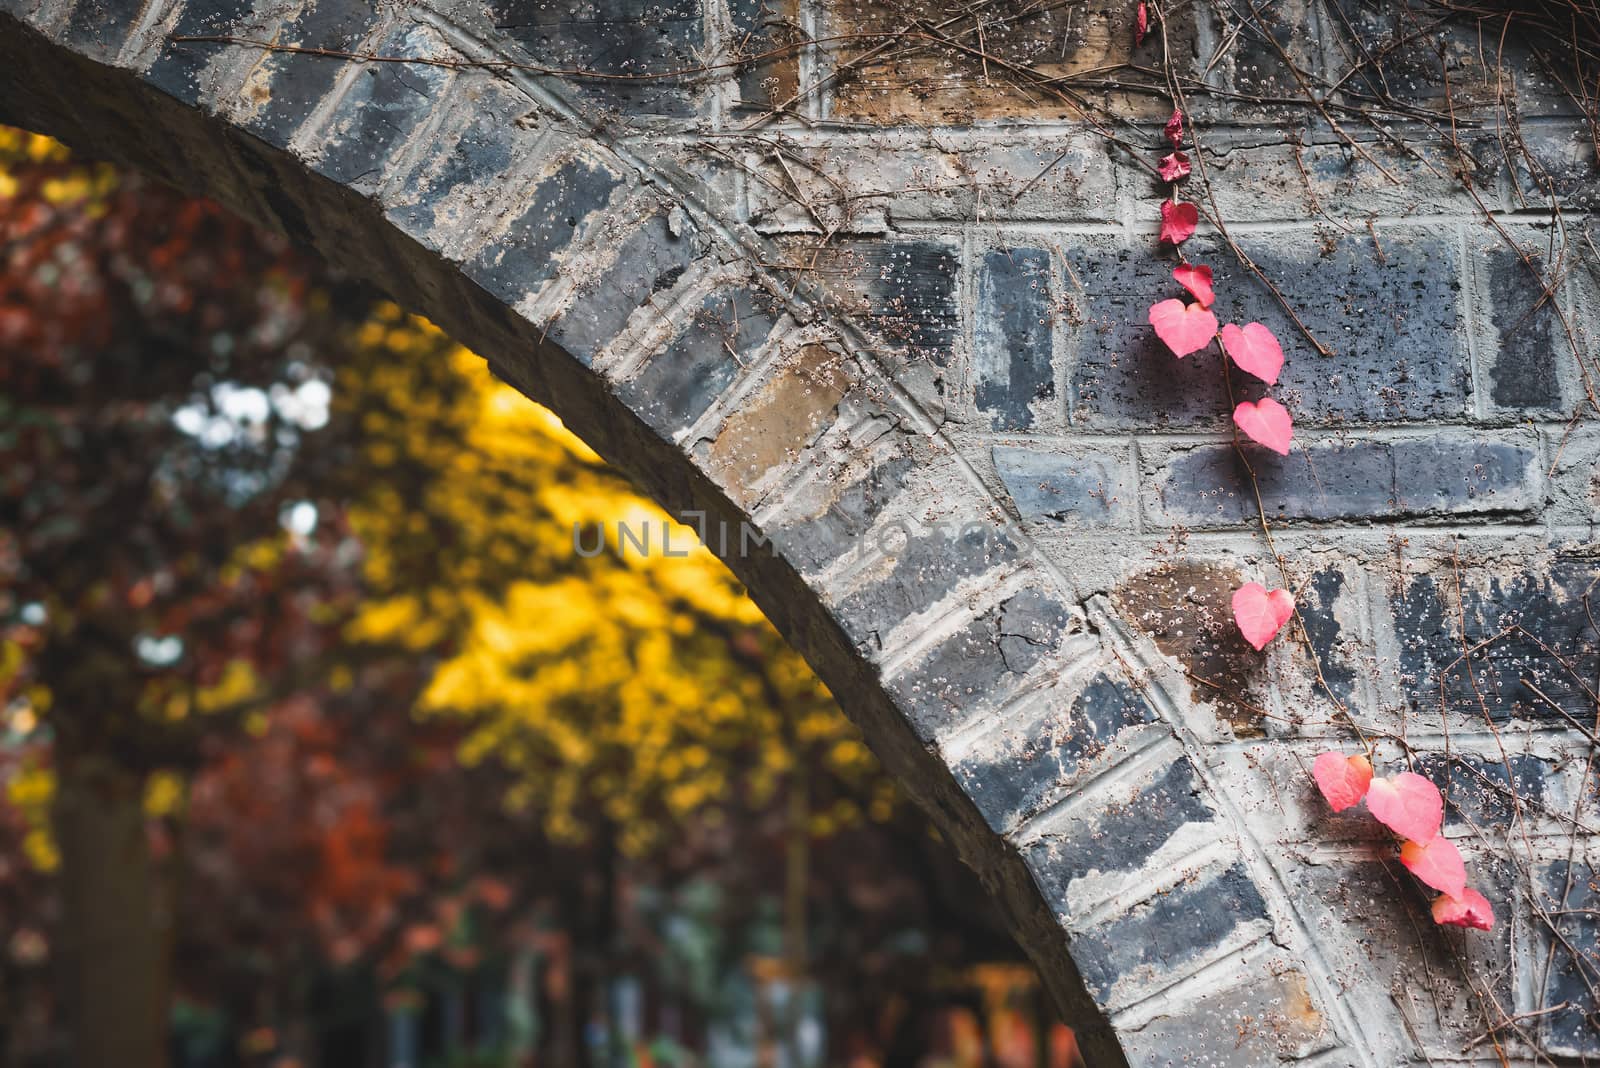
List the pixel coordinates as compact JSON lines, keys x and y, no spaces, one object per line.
{"x":231,"y":484}
{"x":157,"y":381}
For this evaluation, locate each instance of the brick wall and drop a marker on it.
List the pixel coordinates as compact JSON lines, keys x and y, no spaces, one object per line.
{"x":881,"y":296}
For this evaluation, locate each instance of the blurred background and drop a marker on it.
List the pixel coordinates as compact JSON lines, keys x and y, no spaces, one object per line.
{"x":321,"y":746}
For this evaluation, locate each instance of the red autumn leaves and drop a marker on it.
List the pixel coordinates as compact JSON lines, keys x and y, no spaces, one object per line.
{"x":1261,"y":613}
{"x":1411,"y":807}
{"x":1189,"y":327}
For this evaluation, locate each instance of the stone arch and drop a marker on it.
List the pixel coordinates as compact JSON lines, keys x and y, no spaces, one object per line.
{"x":1073,"y":722}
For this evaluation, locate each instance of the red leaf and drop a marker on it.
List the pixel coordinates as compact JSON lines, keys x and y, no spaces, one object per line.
{"x":1467,"y":909}
{"x":1261,"y":614}
{"x":1437,"y":863}
{"x":1175,"y":168}
{"x":1254,"y":349}
{"x":1178,"y":221}
{"x":1266,"y":422}
{"x":1174,"y":129}
{"x":1196,"y":278}
{"x":1184,"y":327}
{"x":1408,"y":804}
{"x":1343,"y":780}
{"x":1141,"y":24}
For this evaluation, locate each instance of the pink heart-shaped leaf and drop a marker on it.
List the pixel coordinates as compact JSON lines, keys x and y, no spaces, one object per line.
{"x":1196,"y":278}
{"x":1178,"y":221}
{"x":1254,"y":349}
{"x":1408,"y":804}
{"x":1174,"y":129}
{"x":1175,"y":168}
{"x":1141,"y":23}
{"x":1343,"y":780}
{"x":1266,"y":422}
{"x":1260,"y":614}
{"x":1437,"y":863}
{"x":1184,"y":327}
{"x":1467,"y":909}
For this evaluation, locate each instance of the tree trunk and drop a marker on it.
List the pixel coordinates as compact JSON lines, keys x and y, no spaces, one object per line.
{"x":113,"y":963}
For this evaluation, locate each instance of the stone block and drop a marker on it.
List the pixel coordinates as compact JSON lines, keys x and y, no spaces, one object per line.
{"x":1393,"y":321}
{"x":1209,"y":485}
{"x":1170,"y":934}
{"x":519,"y":260}
{"x":629,"y":43}
{"x":1537,"y":626}
{"x":282,"y":89}
{"x":382,"y":110}
{"x":649,"y":260}
{"x":924,"y":569}
{"x":983,"y":663}
{"x":1530,"y":348}
{"x":1013,"y":369}
{"x":1024,"y":767}
{"x":1570,"y":892}
{"x":1089,"y":487}
{"x":677,"y":385}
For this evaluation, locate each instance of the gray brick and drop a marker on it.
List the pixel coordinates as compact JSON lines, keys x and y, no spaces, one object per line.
{"x":762,"y":26}
{"x":1046,"y":484}
{"x":982,"y":665}
{"x":382,"y":110}
{"x":99,"y":27}
{"x":1264,"y":1023}
{"x":918,"y":577}
{"x":178,"y":67}
{"x":1333,"y":647}
{"x":1566,"y":169}
{"x":1394,"y":323}
{"x":906,"y":291}
{"x":1210,"y":486}
{"x":1479,"y":789}
{"x":1524,"y":375}
{"x":471,"y":156}
{"x":677,"y":385}
{"x":1022,"y":771}
{"x":1457,"y":477}
{"x":1164,"y":936}
{"x":284,"y":89}
{"x":1118,"y":830}
{"x":1549,"y":609}
{"x":648,"y":262}
{"x":614,"y":37}
{"x":1011,"y":350}
{"x":1574,"y":974}
{"x":822,"y":539}
{"x":519,"y":261}
{"x":1374,"y":33}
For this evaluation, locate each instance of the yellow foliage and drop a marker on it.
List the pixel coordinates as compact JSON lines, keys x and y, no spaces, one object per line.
{"x":237,"y":685}
{"x":625,"y":688}
{"x":164,"y":794}
{"x":30,"y":792}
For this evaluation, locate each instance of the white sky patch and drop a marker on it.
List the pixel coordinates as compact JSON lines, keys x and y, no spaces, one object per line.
{"x":299,"y":518}
{"x":242,"y":411}
{"x":159,"y":652}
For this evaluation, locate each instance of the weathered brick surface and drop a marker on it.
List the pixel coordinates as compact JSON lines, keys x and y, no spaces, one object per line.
{"x":1394,"y":321}
{"x":1012,"y":359}
{"x":1208,"y":485}
{"x":1093,"y":487}
{"x":815,"y":295}
{"x":1043,"y":753}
